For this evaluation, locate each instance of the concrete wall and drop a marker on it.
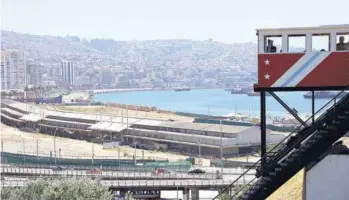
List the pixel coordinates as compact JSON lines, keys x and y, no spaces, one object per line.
{"x":65,"y":124}
{"x":252,"y":136}
{"x":110,"y":145}
{"x":182,"y":137}
{"x":183,"y":148}
{"x":329,"y":179}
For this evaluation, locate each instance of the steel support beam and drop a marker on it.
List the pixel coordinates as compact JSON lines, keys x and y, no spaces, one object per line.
{"x":313,"y":106}
{"x":263,"y":129}
{"x":293,"y":113}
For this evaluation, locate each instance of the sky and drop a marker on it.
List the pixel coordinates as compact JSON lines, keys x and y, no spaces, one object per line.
{"x":228,"y":21}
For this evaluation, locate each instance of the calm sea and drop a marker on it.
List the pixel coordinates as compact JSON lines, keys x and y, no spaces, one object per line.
{"x":211,"y":101}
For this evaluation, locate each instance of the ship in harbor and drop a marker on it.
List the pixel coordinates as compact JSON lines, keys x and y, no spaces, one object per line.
{"x":239,"y":90}
{"x":324,"y":95}
{"x":181,"y":89}
{"x":254,"y":94}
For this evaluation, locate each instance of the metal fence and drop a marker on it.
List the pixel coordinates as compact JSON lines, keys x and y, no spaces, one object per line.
{"x":116,"y":164}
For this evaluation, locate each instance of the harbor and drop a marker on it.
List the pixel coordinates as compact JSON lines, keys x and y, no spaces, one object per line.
{"x":216,"y":102}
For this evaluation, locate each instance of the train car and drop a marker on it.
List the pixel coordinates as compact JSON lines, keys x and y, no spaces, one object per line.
{"x":320,"y":63}
{"x":49,"y":100}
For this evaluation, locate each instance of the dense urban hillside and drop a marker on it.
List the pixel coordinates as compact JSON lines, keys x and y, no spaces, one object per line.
{"x":187,"y":53}
{"x":152,"y":63}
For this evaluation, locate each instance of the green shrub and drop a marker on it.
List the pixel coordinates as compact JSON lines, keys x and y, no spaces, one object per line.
{"x":59,"y":189}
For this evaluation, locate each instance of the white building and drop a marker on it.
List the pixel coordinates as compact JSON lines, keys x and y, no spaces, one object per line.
{"x":13,"y":69}
{"x":34,"y":72}
{"x":68,"y":72}
{"x":107,"y":77}
{"x":329,"y":178}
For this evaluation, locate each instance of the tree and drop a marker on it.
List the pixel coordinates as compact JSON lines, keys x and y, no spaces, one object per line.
{"x":224,"y":196}
{"x":59,"y":189}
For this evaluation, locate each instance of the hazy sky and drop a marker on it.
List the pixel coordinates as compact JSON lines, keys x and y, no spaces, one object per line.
{"x":223,"y":20}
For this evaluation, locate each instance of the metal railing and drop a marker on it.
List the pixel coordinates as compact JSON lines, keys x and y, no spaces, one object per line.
{"x":279,"y":147}
{"x":158,"y":184}
{"x":65,"y":156}
{"x":107,"y":174}
{"x":46,"y":172}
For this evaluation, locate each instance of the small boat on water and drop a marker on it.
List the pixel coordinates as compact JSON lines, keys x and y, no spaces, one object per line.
{"x":253,"y":94}
{"x":324,"y":95}
{"x":239,"y":91}
{"x":182,"y":89}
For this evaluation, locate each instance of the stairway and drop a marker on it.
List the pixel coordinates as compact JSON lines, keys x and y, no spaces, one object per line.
{"x":302,"y":147}
{"x":295,"y":138}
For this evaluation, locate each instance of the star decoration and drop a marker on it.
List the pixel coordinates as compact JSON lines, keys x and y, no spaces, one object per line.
{"x":267,"y":62}
{"x":267,"y":77}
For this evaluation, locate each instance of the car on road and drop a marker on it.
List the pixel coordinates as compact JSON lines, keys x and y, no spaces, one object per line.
{"x":58,"y":168}
{"x":94,"y":171}
{"x":159,"y":171}
{"x":196,"y":171}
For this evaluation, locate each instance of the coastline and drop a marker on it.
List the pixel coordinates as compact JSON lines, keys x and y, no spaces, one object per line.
{"x":101,"y":91}
{"x":138,"y":104}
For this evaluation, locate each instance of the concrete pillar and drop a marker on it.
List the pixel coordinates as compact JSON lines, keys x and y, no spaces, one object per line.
{"x":186,"y":194}
{"x":194,"y":194}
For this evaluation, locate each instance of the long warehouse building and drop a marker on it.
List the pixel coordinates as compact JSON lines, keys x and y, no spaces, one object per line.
{"x":183,"y":137}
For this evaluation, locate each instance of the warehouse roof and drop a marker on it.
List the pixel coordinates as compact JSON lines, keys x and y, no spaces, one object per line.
{"x":204,"y":127}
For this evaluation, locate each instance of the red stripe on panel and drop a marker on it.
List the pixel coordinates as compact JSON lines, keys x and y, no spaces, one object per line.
{"x":333,"y":71}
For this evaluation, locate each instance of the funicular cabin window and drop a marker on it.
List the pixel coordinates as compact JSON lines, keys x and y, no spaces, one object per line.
{"x":296,"y":43}
{"x":321,"y":42}
{"x":272,"y":44}
{"x":342,"y":42}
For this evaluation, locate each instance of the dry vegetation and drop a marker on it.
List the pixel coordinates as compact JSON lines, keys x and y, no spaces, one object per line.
{"x":291,"y":190}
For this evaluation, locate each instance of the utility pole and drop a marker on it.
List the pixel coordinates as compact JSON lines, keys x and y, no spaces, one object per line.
{"x":122,"y":116}
{"x":119,"y":156}
{"x":221,"y":145}
{"x":24,"y":151}
{"x":54,"y":145}
{"x":199,"y":153}
{"x":23,"y":147}
{"x":135,"y":153}
{"x":93,"y":153}
{"x":127,"y":120}
{"x":37,"y":148}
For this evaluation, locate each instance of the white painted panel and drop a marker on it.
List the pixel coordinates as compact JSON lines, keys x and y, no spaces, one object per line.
{"x":308,"y":42}
{"x":284,"y":43}
{"x":333,"y":45}
{"x":329,"y":179}
{"x":261,"y":43}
